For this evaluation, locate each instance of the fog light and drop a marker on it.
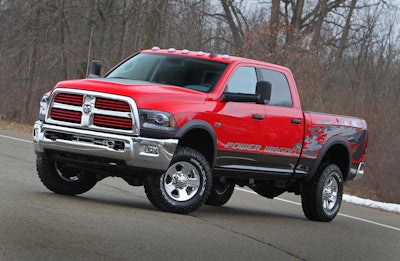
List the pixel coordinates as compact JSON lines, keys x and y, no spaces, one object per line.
{"x":149,"y":150}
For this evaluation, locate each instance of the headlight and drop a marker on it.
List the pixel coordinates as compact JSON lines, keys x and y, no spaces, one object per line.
{"x":44,"y":104}
{"x":157,"y":120}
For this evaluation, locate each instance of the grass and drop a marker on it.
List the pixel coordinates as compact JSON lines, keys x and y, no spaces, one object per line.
{"x":16,"y":127}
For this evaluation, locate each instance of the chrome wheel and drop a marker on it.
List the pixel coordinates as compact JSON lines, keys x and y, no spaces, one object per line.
{"x":322,"y":196}
{"x":62,"y":178}
{"x":221,"y":188}
{"x":221,"y":192}
{"x":181,"y":181}
{"x":185,"y":185}
{"x":66,"y":172}
{"x":330,"y":193}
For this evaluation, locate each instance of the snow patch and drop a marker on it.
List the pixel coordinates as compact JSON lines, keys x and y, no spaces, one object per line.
{"x":371,"y":203}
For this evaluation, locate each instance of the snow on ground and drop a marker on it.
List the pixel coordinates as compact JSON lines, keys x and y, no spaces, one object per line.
{"x":371,"y":203}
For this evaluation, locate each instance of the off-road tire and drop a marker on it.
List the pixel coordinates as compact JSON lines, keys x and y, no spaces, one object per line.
{"x":221,"y":192}
{"x":62,"y":178}
{"x":184,"y":186}
{"x":322,"y":196}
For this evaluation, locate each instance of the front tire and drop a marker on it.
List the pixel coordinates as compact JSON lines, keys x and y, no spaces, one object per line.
{"x":184,"y":186}
{"x":322,"y":197}
{"x":61,"y":178}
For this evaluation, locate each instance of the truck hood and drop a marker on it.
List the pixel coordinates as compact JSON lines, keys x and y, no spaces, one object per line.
{"x":145,"y":94}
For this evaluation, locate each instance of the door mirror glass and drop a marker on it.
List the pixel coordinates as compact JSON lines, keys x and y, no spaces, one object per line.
{"x":263,"y":89}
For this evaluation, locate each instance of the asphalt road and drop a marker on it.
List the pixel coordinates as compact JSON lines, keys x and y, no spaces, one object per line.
{"x":115,"y":221}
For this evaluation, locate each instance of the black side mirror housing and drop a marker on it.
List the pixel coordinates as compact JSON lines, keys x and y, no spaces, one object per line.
{"x":264,"y":89}
{"x":262,"y":95}
{"x":95,"y":68}
{"x":240,"y":97}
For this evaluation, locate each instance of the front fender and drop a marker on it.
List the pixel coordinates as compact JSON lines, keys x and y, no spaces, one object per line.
{"x":195,"y":126}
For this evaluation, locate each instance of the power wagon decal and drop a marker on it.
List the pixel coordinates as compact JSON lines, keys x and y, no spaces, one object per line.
{"x":258,"y":148}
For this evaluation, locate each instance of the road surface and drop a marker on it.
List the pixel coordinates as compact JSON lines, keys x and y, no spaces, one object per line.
{"x":115,"y":221}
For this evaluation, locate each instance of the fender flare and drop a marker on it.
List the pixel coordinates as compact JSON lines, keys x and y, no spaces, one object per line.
{"x":325,"y":148}
{"x":199,"y":124}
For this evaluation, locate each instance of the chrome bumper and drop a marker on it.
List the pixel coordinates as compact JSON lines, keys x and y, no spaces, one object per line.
{"x":356,"y":171}
{"x":138,"y":152}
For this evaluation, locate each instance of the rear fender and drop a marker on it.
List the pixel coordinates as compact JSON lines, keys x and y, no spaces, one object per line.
{"x":336,"y":150}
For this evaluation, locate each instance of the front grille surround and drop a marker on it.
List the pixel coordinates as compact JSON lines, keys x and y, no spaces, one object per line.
{"x":93,"y":111}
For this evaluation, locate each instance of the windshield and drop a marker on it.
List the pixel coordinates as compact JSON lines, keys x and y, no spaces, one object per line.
{"x":190,"y":73}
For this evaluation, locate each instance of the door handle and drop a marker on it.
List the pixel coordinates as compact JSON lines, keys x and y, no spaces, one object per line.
{"x":296,"y":121}
{"x":258,"y":117}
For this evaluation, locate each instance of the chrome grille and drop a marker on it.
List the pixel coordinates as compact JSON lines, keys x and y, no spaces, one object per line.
{"x":92,"y":110}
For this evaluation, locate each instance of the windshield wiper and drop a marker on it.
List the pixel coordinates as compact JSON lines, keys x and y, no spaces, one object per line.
{"x":118,"y":77}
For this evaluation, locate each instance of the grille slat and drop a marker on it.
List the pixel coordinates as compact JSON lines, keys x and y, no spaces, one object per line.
{"x":107,"y":104}
{"x":66,"y":115}
{"x":112,"y":121}
{"x":70,"y":99}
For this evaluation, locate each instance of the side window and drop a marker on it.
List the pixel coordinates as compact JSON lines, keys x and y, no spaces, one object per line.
{"x":244,"y":80}
{"x":280,"y":95}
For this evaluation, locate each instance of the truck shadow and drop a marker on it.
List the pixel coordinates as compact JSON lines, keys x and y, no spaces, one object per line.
{"x":206,"y":212}
{"x":246,"y":213}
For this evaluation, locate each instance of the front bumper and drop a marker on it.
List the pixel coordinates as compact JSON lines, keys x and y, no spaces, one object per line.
{"x":139,"y":152}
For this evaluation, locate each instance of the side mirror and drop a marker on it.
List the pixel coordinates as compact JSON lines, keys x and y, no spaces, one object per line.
{"x":240,"y":97}
{"x":95,"y":67}
{"x":264,"y":89}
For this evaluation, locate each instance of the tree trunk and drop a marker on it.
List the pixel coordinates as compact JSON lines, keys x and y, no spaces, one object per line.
{"x":345,"y":34}
{"x":274,"y":25}
{"x":317,"y":30}
{"x":234,"y":24}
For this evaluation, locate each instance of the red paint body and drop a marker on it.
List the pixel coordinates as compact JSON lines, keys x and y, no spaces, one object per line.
{"x":287,"y":134}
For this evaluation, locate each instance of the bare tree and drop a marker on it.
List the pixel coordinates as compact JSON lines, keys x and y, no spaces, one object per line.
{"x":344,"y":53}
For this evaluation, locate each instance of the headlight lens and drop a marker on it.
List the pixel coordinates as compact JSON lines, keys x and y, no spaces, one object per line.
{"x":157,"y":120}
{"x":44,"y":104}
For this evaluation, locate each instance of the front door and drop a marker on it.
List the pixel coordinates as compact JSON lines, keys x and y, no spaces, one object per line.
{"x":240,"y":126}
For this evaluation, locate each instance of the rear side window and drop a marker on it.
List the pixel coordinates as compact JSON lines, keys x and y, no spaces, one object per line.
{"x":280,"y":95}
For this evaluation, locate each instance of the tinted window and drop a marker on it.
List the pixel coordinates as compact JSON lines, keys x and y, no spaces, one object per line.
{"x":196,"y":74}
{"x":280,"y":95}
{"x":244,"y":80}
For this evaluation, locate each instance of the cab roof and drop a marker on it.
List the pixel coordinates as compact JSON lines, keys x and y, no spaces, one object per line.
{"x":224,"y":58}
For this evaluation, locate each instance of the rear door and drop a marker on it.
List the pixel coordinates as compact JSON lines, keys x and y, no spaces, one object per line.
{"x":283,"y":125}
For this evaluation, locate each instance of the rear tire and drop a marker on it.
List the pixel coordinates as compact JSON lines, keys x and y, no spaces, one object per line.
{"x":221,"y":192}
{"x":184,"y":186}
{"x":322,"y":197}
{"x":61,"y":178}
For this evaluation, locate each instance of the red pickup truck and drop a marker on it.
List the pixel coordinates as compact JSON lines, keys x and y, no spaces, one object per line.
{"x":189,"y":126}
